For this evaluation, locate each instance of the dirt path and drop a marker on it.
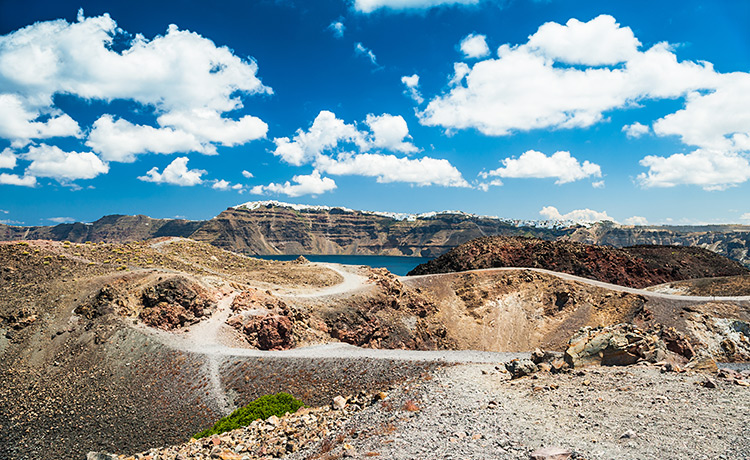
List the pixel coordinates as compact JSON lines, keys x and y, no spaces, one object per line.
{"x":601,"y":284}
{"x":352,"y":282}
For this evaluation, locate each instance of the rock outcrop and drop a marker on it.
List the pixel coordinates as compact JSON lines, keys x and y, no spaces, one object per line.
{"x":637,"y":266}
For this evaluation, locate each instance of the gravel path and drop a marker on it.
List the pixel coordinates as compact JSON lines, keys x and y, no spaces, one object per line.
{"x":601,"y":284}
{"x":476,"y":412}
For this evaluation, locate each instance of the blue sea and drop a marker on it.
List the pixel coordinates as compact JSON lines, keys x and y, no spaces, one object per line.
{"x":395,"y":264}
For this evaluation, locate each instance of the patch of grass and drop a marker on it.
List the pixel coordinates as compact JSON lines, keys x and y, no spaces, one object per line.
{"x":261,"y":408}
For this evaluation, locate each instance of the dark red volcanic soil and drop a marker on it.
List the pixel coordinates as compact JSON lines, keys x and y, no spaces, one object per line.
{"x":636,"y":266}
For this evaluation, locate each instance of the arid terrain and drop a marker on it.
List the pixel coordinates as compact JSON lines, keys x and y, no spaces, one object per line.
{"x":132,"y":346}
{"x":270,"y":227}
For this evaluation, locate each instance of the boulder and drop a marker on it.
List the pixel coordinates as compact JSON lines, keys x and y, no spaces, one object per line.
{"x":619,"y":345}
{"x":520,"y":368}
{"x":265,"y":332}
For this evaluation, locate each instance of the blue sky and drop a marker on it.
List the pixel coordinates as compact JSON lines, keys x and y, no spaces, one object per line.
{"x":633,"y":111}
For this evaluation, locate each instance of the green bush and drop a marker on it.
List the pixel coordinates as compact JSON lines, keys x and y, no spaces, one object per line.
{"x":261,"y":408}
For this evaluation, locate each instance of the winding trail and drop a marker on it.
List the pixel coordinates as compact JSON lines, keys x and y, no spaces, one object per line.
{"x":601,"y":284}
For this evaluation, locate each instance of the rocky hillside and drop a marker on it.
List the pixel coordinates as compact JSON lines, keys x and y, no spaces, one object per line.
{"x":270,"y":227}
{"x":637,"y":266}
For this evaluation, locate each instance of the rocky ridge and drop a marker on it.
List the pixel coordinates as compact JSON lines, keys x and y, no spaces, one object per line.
{"x":279,"y":228}
{"x":637,"y":266}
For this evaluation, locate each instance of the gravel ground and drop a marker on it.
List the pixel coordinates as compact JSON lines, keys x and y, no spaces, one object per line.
{"x":476,"y":412}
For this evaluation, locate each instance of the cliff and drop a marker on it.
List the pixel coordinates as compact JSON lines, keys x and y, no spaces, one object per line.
{"x":268,"y":227}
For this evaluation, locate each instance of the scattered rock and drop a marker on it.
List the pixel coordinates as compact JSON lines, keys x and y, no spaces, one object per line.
{"x":520,"y":368}
{"x":551,"y":453}
{"x":708,"y":383}
{"x":630,"y":434}
{"x":339,"y":402}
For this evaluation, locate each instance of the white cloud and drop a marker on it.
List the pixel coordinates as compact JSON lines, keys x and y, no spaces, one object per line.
{"x":225,"y":185}
{"x":711,"y":170}
{"x":598,"y":184}
{"x":745,"y":217}
{"x":326,"y":133}
{"x":209,"y":126}
{"x":312,"y":184}
{"x":577,"y":215}
{"x":412,"y":87}
{"x":368,"y":6}
{"x":176,"y":173}
{"x":185,"y":77}
{"x":522,"y":89}
{"x":18,"y":120}
{"x":51,"y":161}
{"x":120,"y":140}
{"x":600,"y":41}
{"x":360,"y":50}
{"x":247,"y":174}
{"x":335,"y":147}
{"x":15,"y":179}
{"x":560,"y":165}
{"x":389,"y":132}
{"x":61,"y":220}
{"x":7,"y":159}
{"x":474,"y":46}
{"x":718,"y":120}
{"x":337,"y":27}
{"x":636,"y":220}
{"x":389,"y":168}
{"x":635,"y":130}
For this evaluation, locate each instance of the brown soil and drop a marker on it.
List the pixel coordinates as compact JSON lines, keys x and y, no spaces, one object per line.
{"x":637,"y":266}
{"x":725,"y":286}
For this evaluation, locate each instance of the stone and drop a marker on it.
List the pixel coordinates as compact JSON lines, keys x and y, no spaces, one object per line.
{"x":558,"y":365}
{"x":708,"y":383}
{"x":630,"y":434}
{"x":702,"y":364}
{"x":339,"y":402}
{"x":545,"y":367}
{"x":551,"y":453}
{"x":100,"y":456}
{"x":619,"y":345}
{"x":520,"y":368}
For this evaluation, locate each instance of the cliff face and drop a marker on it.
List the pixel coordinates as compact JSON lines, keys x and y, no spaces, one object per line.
{"x":281,"y":230}
{"x":113,"y":229}
{"x":731,"y":241}
{"x":268,"y":228}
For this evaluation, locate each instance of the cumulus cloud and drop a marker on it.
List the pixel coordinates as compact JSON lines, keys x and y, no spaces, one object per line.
{"x":533,"y":164}
{"x":368,"y":6}
{"x":189,"y":81}
{"x":325,"y":134}
{"x":312,"y":184}
{"x":474,"y":46}
{"x":598,"y":42}
{"x":412,"y":87}
{"x":389,"y":168}
{"x":598,"y":184}
{"x":176,"y":173}
{"x":636,"y":220}
{"x":247,"y":174}
{"x":336,"y":147}
{"x":51,"y":161}
{"x":360,"y":50}
{"x":577,"y":215}
{"x":711,"y":170}
{"x":635,"y":130}
{"x":7,"y":159}
{"x":389,"y":132}
{"x":15,"y":179}
{"x":20,"y":121}
{"x":522,"y":89}
{"x":718,"y":120}
{"x":337,"y":28}
{"x":120,"y":140}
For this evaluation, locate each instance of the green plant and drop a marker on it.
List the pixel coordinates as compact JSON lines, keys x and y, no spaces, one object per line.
{"x":261,"y":408}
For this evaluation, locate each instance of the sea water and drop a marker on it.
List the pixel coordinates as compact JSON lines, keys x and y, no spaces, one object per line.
{"x":398,"y":265}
